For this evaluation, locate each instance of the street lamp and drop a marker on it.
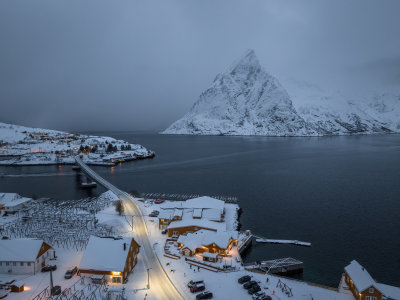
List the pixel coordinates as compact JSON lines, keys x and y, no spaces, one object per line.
{"x":148,"y":278}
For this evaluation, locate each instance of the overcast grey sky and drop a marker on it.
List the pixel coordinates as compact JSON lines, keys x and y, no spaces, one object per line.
{"x":140,"y":65}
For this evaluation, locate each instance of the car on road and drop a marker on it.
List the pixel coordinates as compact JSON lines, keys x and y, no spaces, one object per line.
{"x":254,"y":289}
{"x":249,"y":284}
{"x":244,"y":279}
{"x":71,"y":272}
{"x":204,"y":295}
{"x":49,"y":268}
{"x":158,"y":201}
{"x":197,"y":288}
{"x":164,"y":231}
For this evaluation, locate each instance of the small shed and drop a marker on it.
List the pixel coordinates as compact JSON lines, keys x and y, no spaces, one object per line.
{"x":212,"y":257}
{"x":17,"y":287}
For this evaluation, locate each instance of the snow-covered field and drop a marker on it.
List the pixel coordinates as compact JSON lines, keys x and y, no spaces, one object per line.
{"x":21,"y":145}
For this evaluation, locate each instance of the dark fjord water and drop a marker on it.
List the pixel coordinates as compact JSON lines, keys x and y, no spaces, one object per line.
{"x":342,"y":194}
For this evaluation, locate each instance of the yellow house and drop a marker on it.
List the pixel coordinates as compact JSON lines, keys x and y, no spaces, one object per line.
{"x":364,"y":287}
{"x":112,"y":258}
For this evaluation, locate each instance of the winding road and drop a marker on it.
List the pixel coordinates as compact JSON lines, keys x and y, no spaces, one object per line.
{"x":160,"y":284}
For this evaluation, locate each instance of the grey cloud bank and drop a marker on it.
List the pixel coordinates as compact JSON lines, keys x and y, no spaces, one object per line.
{"x":133,"y":65}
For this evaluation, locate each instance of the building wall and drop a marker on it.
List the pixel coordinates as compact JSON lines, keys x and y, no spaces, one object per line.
{"x":16,"y":268}
{"x":363,"y":294}
{"x":186,"y":229}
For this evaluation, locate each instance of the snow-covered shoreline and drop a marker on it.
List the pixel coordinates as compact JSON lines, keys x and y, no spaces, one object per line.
{"x":25,"y":146}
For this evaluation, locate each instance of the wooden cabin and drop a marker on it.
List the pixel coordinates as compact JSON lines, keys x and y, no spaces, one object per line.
{"x":205,"y":241}
{"x":24,"y":256}
{"x":167,"y":216}
{"x":112,"y":258}
{"x":360,"y":282}
{"x":364,"y":287}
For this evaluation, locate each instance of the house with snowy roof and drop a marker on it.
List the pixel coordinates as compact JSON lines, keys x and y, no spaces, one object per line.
{"x":205,"y":241}
{"x":12,"y":202}
{"x":188,"y":225}
{"x":364,"y":287}
{"x":24,"y":256}
{"x":205,"y":207}
{"x":111,"y":258}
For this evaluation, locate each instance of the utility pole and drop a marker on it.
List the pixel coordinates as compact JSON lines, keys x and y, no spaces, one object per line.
{"x":148,"y":278}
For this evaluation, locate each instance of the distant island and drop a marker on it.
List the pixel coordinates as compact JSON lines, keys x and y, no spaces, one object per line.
{"x":246,"y":100}
{"x":21,"y":145}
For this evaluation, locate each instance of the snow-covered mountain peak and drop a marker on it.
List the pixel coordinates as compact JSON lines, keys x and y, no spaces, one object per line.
{"x":247,"y":100}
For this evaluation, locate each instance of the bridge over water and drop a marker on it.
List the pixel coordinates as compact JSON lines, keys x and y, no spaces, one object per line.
{"x":161,"y":285}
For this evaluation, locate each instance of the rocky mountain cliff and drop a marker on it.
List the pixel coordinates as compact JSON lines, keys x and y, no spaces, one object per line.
{"x":246,"y":100}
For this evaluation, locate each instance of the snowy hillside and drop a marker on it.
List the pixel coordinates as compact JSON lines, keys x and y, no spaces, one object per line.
{"x":246,"y":100}
{"x":21,"y":145}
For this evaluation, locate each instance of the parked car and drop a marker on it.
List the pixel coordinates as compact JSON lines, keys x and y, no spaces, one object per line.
{"x":256,"y":288}
{"x":244,"y":279}
{"x":258,"y":295}
{"x":264,"y":297}
{"x":204,"y":295}
{"x":249,"y":284}
{"x":154,"y":213}
{"x":71,"y":272}
{"x":164,"y":231}
{"x":49,"y":268}
{"x":158,"y":201}
{"x":194,"y":282}
{"x":197,"y":288}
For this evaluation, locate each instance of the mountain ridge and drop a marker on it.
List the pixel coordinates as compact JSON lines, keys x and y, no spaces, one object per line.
{"x":247,"y":100}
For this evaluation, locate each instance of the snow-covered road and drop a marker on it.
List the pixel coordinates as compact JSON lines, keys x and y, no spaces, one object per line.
{"x":160,"y":284}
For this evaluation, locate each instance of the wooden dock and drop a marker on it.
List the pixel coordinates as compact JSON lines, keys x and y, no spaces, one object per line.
{"x":292,"y":242}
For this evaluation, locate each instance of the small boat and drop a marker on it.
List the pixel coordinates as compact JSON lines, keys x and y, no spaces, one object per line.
{"x":87,"y":185}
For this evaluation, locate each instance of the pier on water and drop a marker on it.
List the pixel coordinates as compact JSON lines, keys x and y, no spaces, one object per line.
{"x":183,"y":197}
{"x":281,"y":266}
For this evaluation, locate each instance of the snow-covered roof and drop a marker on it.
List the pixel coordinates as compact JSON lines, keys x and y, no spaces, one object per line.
{"x":178,"y":213}
{"x":105,"y":254}
{"x":12,"y":199}
{"x":197,"y":212}
{"x":20,"y":249}
{"x":165,"y":214}
{"x":360,"y":276}
{"x":205,"y":237}
{"x":389,"y":291}
{"x":198,"y":223}
{"x":204,"y":202}
{"x":212,"y":214}
{"x":210,"y":255}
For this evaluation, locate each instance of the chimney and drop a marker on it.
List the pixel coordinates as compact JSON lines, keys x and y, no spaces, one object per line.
{"x":124,"y":246}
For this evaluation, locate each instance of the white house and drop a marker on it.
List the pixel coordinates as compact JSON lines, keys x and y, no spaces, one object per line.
{"x":12,"y":202}
{"x":24,"y":256}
